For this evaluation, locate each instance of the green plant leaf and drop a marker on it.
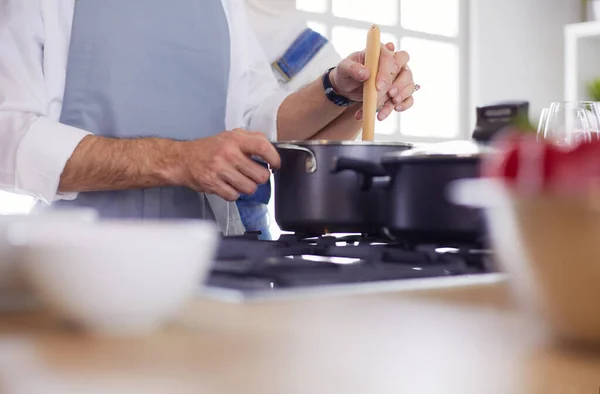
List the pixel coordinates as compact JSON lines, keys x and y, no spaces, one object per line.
{"x":523,"y":123}
{"x":593,"y":89}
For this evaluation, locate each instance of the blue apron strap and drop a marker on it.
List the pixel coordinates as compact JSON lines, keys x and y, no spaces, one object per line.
{"x":299,"y":54}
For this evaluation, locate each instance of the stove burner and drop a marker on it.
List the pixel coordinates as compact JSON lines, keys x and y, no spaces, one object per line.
{"x":250,"y":265}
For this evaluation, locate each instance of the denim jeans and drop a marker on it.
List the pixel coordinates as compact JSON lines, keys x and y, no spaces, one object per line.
{"x":255,"y":217}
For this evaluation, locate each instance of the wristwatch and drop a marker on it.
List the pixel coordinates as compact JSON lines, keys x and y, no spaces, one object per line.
{"x":331,"y":94}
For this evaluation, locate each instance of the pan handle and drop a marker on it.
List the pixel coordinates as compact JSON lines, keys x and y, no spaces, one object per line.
{"x":311,"y":160}
{"x":374,"y":175}
{"x":363,"y":167}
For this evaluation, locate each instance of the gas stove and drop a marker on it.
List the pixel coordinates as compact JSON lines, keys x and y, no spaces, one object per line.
{"x":249,"y":268}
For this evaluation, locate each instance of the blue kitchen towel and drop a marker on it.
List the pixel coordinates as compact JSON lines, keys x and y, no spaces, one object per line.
{"x":263,"y":192}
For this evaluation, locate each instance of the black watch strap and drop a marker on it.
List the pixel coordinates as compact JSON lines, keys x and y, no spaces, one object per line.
{"x":332,"y":95}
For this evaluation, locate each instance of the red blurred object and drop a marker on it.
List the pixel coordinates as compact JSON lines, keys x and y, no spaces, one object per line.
{"x":532,"y":166}
{"x":505,"y":163}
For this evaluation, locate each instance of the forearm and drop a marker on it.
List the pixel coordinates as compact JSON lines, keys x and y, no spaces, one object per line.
{"x":115,"y":164}
{"x":344,"y":127}
{"x":305,"y":113}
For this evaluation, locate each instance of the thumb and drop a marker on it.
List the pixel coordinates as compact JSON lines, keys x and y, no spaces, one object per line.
{"x":348,"y":69}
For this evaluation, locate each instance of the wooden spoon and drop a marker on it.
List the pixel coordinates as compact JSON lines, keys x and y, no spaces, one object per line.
{"x":370,"y":89}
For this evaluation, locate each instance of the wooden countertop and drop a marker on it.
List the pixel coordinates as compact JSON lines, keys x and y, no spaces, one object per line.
{"x":463,"y":341}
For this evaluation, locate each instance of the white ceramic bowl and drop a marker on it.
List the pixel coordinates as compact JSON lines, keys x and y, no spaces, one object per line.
{"x":549,"y":247}
{"x":14,"y":291}
{"x":117,"y":277}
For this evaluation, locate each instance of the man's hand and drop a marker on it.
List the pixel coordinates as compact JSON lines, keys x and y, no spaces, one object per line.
{"x":394,"y":82}
{"x":221,"y":164}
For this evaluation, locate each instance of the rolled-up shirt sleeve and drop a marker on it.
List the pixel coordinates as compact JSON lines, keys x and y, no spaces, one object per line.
{"x":265,"y":95}
{"x":33,"y":147}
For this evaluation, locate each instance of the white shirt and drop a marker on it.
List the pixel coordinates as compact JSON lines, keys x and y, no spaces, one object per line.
{"x":277,"y":24}
{"x":34,"y":43}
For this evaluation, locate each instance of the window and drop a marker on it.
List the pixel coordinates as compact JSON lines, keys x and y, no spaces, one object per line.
{"x":434,"y":32}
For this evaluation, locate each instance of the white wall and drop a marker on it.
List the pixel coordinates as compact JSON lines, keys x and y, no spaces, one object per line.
{"x":517,"y":50}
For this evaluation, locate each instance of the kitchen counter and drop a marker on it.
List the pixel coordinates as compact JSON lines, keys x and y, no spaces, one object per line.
{"x":455,"y":340}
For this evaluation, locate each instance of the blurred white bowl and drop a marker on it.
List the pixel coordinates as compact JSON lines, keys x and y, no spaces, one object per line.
{"x":117,"y":277}
{"x":14,"y":291}
{"x":549,"y":248}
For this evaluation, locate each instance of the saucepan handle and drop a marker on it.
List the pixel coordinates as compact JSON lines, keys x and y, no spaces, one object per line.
{"x":311,"y":160}
{"x":363,"y":167}
{"x":374,"y":175}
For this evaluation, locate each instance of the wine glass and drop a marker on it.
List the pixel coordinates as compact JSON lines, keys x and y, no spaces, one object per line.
{"x":569,"y":123}
{"x":542,"y":123}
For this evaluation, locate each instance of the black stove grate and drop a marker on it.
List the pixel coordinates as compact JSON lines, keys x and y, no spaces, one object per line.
{"x":248,"y":264}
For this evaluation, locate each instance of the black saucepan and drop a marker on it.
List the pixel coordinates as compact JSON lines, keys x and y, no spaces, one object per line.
{"x":416,"y":204}
{"x":311,"y":199}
